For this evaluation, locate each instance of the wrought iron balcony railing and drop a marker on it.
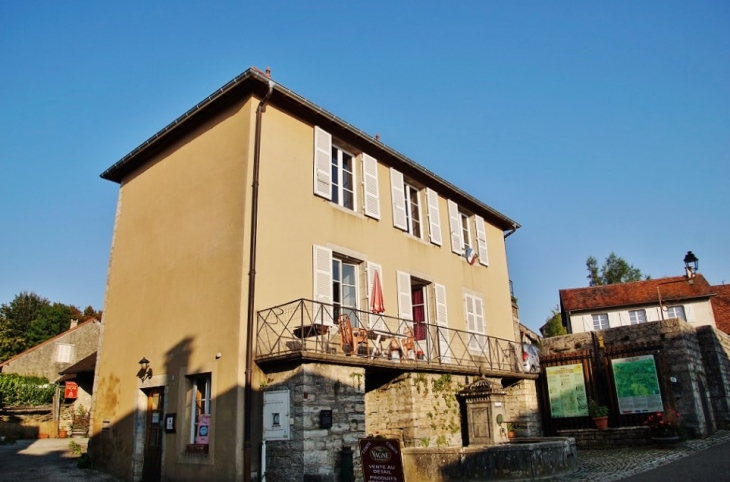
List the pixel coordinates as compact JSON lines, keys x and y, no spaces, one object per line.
{"x":306,"y":326}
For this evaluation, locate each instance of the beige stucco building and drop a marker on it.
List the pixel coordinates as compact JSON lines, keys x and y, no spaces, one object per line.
{"x":325,"y":208}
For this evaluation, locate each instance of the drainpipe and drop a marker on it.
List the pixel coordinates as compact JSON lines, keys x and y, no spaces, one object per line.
{"x":248,"y":393}
{"x":512,"y":231}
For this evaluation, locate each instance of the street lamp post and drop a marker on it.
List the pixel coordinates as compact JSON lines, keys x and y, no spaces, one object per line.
{"x":691,"y":264}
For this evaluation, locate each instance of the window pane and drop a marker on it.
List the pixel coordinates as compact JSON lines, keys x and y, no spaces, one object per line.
{"x":348,"y":274}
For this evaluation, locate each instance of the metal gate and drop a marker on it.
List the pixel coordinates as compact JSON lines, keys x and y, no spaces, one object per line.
{"x":600,"y":384}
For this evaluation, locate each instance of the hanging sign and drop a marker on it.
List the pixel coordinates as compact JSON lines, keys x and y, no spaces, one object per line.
{"x":381,"y":460}
{"x":71,"y":390}
{"x":203,"y":430}
{"x":567,"y":391}
{"x":637,"y":385}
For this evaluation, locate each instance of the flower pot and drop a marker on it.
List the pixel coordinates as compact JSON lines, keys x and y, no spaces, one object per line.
{"x":79,"y":432}
{"x":668,"y":441}
{"x":62,"y":433}
{"x":42,"y":435}
{"x":601,"y":422}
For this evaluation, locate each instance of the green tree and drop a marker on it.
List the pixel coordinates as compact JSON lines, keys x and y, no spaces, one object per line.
{"x":615,"y":269}
{"x":554,"y":324}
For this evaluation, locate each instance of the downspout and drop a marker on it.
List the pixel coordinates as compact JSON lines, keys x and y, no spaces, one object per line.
{"x":514,"y":228}
{"x":248,"y":391}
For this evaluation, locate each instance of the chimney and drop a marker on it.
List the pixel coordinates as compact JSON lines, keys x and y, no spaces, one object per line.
{"x":74,"y":323}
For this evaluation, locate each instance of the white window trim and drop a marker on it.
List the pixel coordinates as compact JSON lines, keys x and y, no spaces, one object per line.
{"x":340,"y":186}
{"x":407,"y":187}
{"x":434,"y":217}
{"x":594,"y":319}
{"x":371,"y":189}
{"x":638,"y":322}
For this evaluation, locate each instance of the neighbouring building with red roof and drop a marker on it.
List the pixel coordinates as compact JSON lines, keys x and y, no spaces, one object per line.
{"x":610,"y":306}
{"x":721,"y":307}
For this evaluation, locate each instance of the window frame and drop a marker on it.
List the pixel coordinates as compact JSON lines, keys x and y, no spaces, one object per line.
{"x":674,"y":308}
{"x":597,"y":317}
{"x":637,"y":320}
{"x":337,"y":184}
{"x":409,"y":191}
{"x":194,"y":414}
{"x":477,"y":336}
{"x":65,"y":349}
{"x":465,"y":230}
{"x":337,"y":294}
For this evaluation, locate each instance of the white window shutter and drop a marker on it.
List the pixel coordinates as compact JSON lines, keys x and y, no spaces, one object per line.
{"x":375,"y":321}
{"x":399,"y":199}
{"x":481,"y":241}
{"x":370,"y":184}
{"x":434,"y":217}
{"x":481,"y":339}
{"x":322,"y":163}
{"x":455,"y":225}
{"x":322,"y":268}
{"x":442,"y":321}
{"x":405,"y":308}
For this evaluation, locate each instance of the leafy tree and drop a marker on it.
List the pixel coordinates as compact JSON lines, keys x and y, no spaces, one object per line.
{"x":615,"y":269}
{"x":554,"y":324}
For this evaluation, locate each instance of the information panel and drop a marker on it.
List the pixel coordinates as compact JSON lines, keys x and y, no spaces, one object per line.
{"x":567,"y":391}
{"x":381,"y":460}
{"x":637,"y":385}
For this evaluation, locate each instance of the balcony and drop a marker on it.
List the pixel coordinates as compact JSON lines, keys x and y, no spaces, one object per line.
{"x":308,"y":330}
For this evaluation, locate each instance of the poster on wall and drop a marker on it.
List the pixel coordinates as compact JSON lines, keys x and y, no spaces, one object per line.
{"x":567,"y":391}
{"x":637,"y":385}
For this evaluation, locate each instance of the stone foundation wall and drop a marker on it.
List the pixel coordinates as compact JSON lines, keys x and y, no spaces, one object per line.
{"x":420,"y":409}
{"x":314,"y":453}
{"x":608,"y":439}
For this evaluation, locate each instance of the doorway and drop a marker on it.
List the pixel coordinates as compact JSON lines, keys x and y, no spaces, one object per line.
{"x":152,"y":468}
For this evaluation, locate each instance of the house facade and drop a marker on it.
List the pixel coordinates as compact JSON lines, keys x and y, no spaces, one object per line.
{"x":278,"y":275}
{"x":624,"y":304}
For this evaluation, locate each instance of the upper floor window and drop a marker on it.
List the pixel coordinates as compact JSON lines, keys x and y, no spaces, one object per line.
{"x":637,"y":316}
{"x":675,"y":312}
{"x":343,"y":178}
{"x":475,"y":325}
{"x":64,"y":353}
{"x":600,"y":321}
{"x":413,"y":210}
{"x":465,"y":230}
{"x":461,"y":223}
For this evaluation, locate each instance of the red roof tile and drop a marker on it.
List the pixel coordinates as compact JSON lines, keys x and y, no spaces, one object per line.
{"x":721,"y":307}
{"x":636,"y":293}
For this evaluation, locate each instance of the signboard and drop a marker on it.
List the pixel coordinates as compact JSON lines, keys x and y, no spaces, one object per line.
{"x":381,"y":460}
{"x":71,"y":390}
{"x":203,"y":430}
{"x":567,"y":391}
{"x":637,"y":385}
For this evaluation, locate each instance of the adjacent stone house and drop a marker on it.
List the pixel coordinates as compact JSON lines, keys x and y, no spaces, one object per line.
{"x":277,"y":275}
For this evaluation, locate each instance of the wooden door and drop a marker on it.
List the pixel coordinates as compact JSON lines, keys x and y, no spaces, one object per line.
{"x":152,"y":470}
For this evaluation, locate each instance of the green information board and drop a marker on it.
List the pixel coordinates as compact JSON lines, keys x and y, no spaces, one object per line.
{"x":567,"y":391}
{"x":637,"y":385}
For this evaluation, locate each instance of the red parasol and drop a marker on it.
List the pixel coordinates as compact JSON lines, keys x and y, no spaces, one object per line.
{"x":376,"y":297}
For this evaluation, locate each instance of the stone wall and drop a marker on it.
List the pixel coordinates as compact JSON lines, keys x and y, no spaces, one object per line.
{"x":522,"y":408}
{"x":684,"y":374}
{"x":314,"y":453}
{"x":420,"y":409}
{"x":715,"y":346}
{"x":608,"y":439}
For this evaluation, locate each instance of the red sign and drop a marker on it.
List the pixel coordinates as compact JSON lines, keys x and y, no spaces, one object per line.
{"x":71,"y":391}
{"x":381,"y":460}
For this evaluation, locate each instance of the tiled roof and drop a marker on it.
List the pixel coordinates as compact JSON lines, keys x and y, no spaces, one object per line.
{"x":721,"y":307}
{"x":636,"y":293}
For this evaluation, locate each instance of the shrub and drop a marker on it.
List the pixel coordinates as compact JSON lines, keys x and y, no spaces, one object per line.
{"x":23,"y":391}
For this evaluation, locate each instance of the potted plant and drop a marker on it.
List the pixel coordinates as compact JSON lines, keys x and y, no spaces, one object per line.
{"x":80,"y":422}
{"x":665,"y":428}
{"x":511,"y":430}
{"x":599,"y":413}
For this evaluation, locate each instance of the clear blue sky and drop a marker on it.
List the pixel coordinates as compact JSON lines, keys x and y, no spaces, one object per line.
{"x":598,"y":127}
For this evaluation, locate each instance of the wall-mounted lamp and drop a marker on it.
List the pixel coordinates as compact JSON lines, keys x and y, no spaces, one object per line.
{"x":145,"y":371}
{"x":691,"y":264}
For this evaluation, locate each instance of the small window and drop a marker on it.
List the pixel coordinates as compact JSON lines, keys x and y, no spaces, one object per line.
{"x":200,"y":405}
{"x":413,"y":210}
{"x":676,"y":312}
{"x":637,"y":316}
{"x":343,"y":178}
{"x":600,"y":321}
{"x":64,"y":353}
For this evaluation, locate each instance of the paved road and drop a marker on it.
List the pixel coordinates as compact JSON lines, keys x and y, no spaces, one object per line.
{"x":712,"y":464}
{"x":47,"y":460}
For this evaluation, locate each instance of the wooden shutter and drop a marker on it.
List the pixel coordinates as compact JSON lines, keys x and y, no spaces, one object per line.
{"x":405,"y":308}
{"x":370,"y":186}
{"x":399,"y":199}
{"x":322,"y":163}
{"x":375,"y":321}
{"x":481,"y":241}
{"x":455,"y":225}
{"x":442,"y":322}
{"x":322,"y":268}
{"x":434,"y":217}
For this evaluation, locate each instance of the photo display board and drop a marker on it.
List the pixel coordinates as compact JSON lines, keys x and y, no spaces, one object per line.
{"x":637,"y":385}
{"x":567,"y":391}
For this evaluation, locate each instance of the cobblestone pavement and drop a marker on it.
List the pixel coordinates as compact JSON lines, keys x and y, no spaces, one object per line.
{"x":617,"y":464}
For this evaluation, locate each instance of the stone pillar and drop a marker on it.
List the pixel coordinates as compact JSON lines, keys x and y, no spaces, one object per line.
{"x":484,"y":404}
